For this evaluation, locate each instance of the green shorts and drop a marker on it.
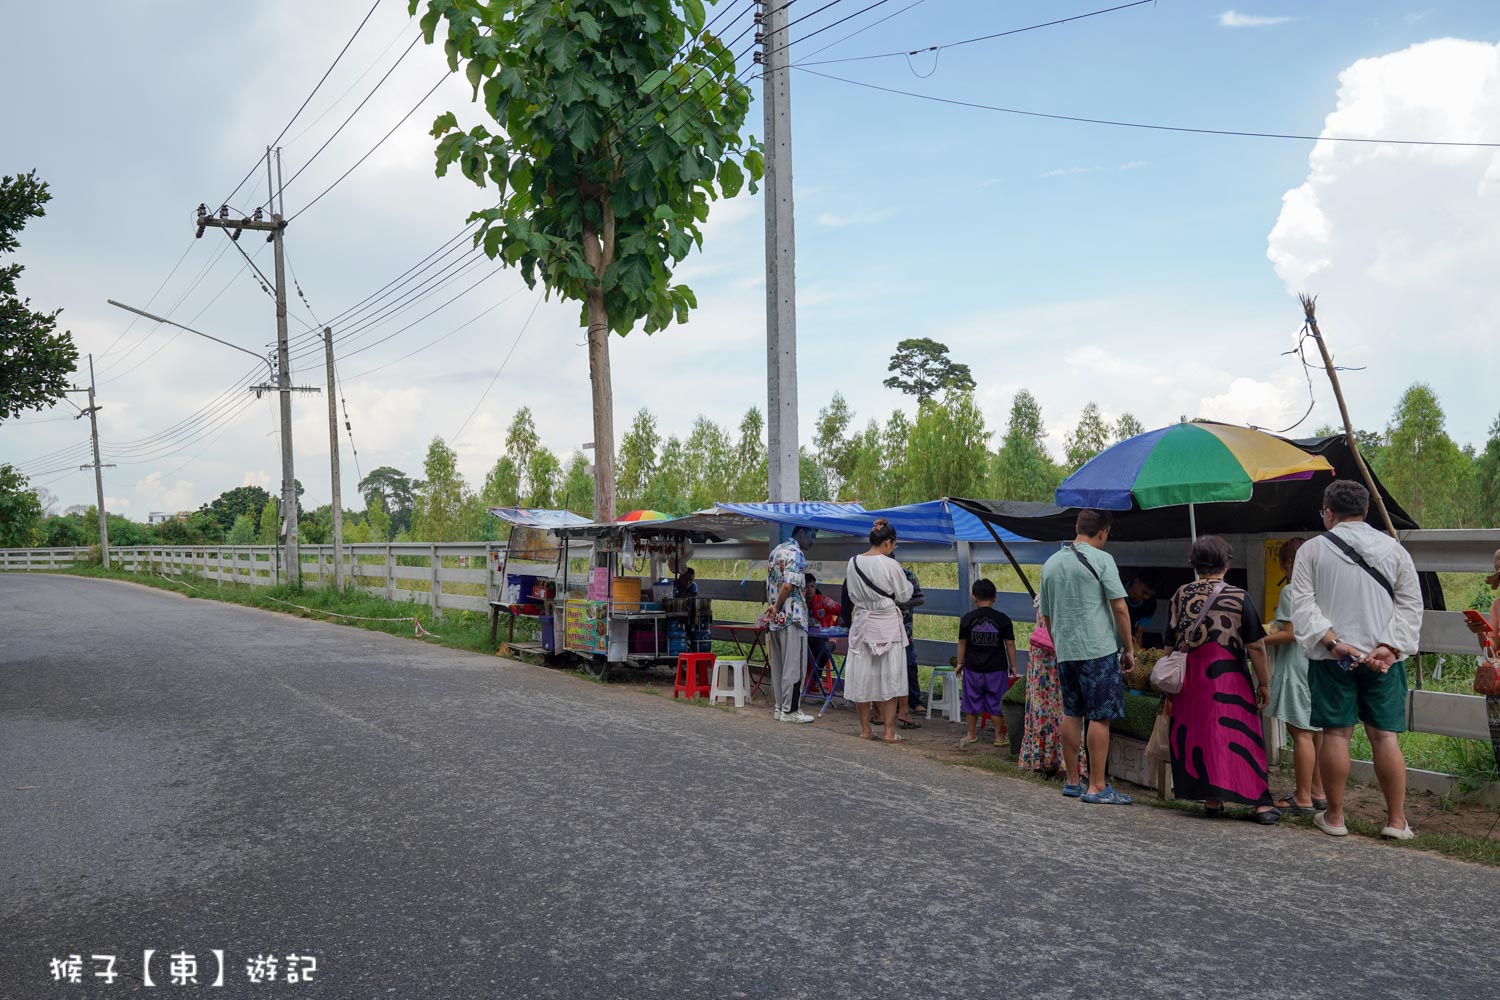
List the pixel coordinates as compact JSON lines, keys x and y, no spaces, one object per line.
{"x":1340,"y":698}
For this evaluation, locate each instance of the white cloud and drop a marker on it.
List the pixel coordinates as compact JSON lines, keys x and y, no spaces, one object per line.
{"x":116,"y":504}
{"x":1070,"y":171}
{"x":858,"y":217}
{"x":260,"y":477}
{"x":1234,"y":19}
{"x":1402,"y":243}
{"x":159,"y":496}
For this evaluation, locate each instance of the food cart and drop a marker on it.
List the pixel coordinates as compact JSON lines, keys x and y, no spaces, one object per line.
{"x":624,"y":613}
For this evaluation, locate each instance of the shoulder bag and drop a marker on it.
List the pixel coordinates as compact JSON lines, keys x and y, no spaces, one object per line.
{"x":1171,"y":670}
{"x":1359,"y":561}
{"x":846,"y":603}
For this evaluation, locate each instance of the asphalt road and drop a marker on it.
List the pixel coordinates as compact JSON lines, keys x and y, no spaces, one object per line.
{"x":188,"y":776}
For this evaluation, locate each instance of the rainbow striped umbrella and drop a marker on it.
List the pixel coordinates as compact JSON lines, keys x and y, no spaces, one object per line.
{"x":644,"y":515}
{"x":1186,"y":463}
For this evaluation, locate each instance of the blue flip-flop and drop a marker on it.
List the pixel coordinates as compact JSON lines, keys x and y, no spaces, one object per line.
{"x":1073,"y":791}
{"x":1108,"y":797}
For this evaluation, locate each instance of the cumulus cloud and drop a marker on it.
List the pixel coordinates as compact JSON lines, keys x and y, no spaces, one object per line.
{"x":1234,"y":19}
{"x":838,"y":220}
{"x":1402,"y":243}
{"x":180,"y":495}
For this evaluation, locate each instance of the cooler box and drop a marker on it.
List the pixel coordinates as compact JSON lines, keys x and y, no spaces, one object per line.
{"x":549,"y":638}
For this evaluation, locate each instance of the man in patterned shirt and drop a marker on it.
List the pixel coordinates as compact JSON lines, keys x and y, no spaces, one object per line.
{"x":786,"y":623}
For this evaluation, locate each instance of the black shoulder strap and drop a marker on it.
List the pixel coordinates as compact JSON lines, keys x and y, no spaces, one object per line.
{"x":1359,"y":561}
{"x":854,"y":561}
{"x":1085,"y":560}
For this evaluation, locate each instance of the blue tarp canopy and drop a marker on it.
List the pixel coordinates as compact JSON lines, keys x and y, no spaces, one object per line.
{"x":936,"y":521}
{"x":528,"y":517}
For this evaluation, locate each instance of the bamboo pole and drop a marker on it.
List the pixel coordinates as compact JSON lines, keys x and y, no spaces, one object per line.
{"x":1309,"y":309}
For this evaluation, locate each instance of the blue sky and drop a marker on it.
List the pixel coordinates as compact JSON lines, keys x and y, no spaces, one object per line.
{"x":1082,"y":262}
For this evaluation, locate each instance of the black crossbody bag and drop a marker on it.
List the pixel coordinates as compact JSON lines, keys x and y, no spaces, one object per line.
{"x":1359,"y":561}
{"x":846,"y":603}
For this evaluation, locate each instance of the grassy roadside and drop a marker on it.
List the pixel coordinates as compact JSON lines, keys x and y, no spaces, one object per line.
{"x":466,"y":630}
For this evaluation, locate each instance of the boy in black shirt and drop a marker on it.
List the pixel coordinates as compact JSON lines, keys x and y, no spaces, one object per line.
{"x":986,"y":651}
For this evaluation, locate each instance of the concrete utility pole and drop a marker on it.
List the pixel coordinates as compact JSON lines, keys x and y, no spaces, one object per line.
{"x":781,"y":256}
{"x":333,"y":457}
{"x":92,"y":411}
{"x":275,"y":227}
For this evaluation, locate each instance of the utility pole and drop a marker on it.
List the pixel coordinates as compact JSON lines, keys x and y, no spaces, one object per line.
{"x":92,"y":412}
{"x":784,"y":458}
{"x":333,"y":457}
{"x":274,"y":227}
{"x":1310,"y":313}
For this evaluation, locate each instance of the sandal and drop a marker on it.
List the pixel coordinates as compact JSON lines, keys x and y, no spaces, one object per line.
{"x":1108,"y":797}
{"x":1268,"y":817}
{"x":1287,"y":805}
{"x":908,"y":724}
{"x":893,"y":739}
{"x":1320,"y":805}
{"x":1214,"y":812}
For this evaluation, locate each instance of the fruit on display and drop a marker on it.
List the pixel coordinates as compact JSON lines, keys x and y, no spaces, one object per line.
{"x":1139,"y":677}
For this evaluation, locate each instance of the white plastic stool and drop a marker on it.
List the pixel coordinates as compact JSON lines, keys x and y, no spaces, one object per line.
{"x":949,"y":702}
{"x":737,"y":688}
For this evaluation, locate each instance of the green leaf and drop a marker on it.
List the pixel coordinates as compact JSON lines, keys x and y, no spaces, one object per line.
{"x":654,"y":81}
{"x":664,"y":212}
{"x":694,"y":11}
{"x":731,"y":178}
{"x":755,"y":163}
{"x":474,"y":72}
{"x":445,"y":122}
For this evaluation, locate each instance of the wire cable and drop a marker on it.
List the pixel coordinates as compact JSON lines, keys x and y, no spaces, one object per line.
{"x":1153,"y":127}
{"x":514,"y":344}
{"x":827,"y":27}
{"x":357,"y":81}
{"x":437,"y":340}
{"x":861,"y":31}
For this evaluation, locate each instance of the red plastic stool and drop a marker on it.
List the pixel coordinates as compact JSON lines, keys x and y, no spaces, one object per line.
{"x":694,"y":675}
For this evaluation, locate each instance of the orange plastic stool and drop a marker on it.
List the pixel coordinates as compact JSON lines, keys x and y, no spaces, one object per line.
{"x":694,"y":675}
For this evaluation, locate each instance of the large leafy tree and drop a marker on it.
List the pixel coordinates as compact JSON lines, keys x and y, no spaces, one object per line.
{"x":397,"y":493}
{"x":638,"y":460}
{"x":750,"y":458}
{"x":1487,"y":480}
{"x":1128,"y":426}
{"x":947,"y":453}
{"x":1421,"y":465}
{"x":708,"y":454}
{"x":577,"y":485}
{"x":923,"y":369}
{"x":1088,"y":439}
{"x":440,"y":513}
{"x":35,"y":360}
{"x":613,"y":125}
{"x":1023,"y":469}
{"x":836,"y":450}
{"x":20,"y":510}
{"x":229,"y":505}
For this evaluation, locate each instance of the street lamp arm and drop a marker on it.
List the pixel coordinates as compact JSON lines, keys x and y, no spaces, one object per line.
{"x":162,"y":319}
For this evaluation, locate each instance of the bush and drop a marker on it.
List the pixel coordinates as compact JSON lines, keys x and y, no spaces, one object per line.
{"x":1016,"y":693}
{"x":1140,"y":717}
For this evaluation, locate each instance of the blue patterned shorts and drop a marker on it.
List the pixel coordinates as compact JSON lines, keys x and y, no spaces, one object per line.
{"x":1092,"y":689}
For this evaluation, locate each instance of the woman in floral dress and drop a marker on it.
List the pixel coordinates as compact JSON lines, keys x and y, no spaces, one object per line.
{"x":1041,"y":742}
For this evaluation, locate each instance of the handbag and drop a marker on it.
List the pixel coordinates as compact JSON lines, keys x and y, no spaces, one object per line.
{"x":1171,"y":670}
{"x":1159,"y":747}
{"x":1487,"y":675}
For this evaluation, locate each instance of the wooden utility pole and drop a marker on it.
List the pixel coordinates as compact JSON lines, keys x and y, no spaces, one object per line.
{"x":333,"y":457}
{"x":784,"y":458}
{"x":1309,"y":310}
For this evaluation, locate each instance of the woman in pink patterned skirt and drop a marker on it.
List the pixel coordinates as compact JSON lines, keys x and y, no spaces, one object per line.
{"x":1041,"y":742}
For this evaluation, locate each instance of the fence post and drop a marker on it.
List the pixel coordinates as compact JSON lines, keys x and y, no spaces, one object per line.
{"x":965,"y":571}
{"x":437,"y":587}
{"x":390,"y":573}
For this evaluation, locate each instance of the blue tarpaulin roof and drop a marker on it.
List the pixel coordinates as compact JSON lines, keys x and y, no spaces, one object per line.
{"x":935,"y":521}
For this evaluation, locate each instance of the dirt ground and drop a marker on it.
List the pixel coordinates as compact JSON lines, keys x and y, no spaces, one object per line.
{"x":938,"y":739}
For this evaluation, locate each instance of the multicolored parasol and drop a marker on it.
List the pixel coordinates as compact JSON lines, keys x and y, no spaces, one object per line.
{"x":1186,"y":463}
{"x":644,"y":515}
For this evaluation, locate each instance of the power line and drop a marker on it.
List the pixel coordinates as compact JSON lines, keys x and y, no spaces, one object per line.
{"x":861,"y":31}
{"x":152,"y":299}
{"x":980,"y":38}
{"x":357,"y":81}
{"x":303,"y":106}
{"x":437,"y":340}
{"x":1143,"y":125}
{"x":512,"y":350}
{"x":827,"y":27}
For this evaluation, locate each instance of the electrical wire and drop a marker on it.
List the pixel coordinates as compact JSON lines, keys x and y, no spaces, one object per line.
{"x":437,"y":340}
{"x":981,"y":38}
{"x":826,"y":27}
{"x":514,"y":344}
{"x":251,"y":172}
{"x":357,"y":81}
{"x":861,"y":31}
{"x":135,"y":319}
{"x":1153,"y":127}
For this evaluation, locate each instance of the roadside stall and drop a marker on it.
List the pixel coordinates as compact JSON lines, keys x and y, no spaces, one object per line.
{"x":530,"y":570}
{"x":625,"y":612}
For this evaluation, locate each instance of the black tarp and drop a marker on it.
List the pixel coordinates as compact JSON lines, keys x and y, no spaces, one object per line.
{"x":1275,"y":508}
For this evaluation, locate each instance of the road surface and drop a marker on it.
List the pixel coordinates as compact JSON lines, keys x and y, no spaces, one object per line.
{"x":187,"y":776}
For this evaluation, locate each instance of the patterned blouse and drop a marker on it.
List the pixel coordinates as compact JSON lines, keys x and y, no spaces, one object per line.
{"x":1232,"y":622}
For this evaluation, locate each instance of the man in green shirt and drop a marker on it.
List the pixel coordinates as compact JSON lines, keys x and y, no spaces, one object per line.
{"x":1082,"y":604}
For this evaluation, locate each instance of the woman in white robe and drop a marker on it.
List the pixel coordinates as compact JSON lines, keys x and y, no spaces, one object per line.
{"x":875,"y":669}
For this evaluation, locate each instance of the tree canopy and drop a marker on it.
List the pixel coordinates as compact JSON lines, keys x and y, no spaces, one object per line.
{"x":612,"y":126}
{"x":923,"y":369}
{"x":35,"y":360}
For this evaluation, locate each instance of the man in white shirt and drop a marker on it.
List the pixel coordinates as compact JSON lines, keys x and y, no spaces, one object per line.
{"x":1357,"y":612}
